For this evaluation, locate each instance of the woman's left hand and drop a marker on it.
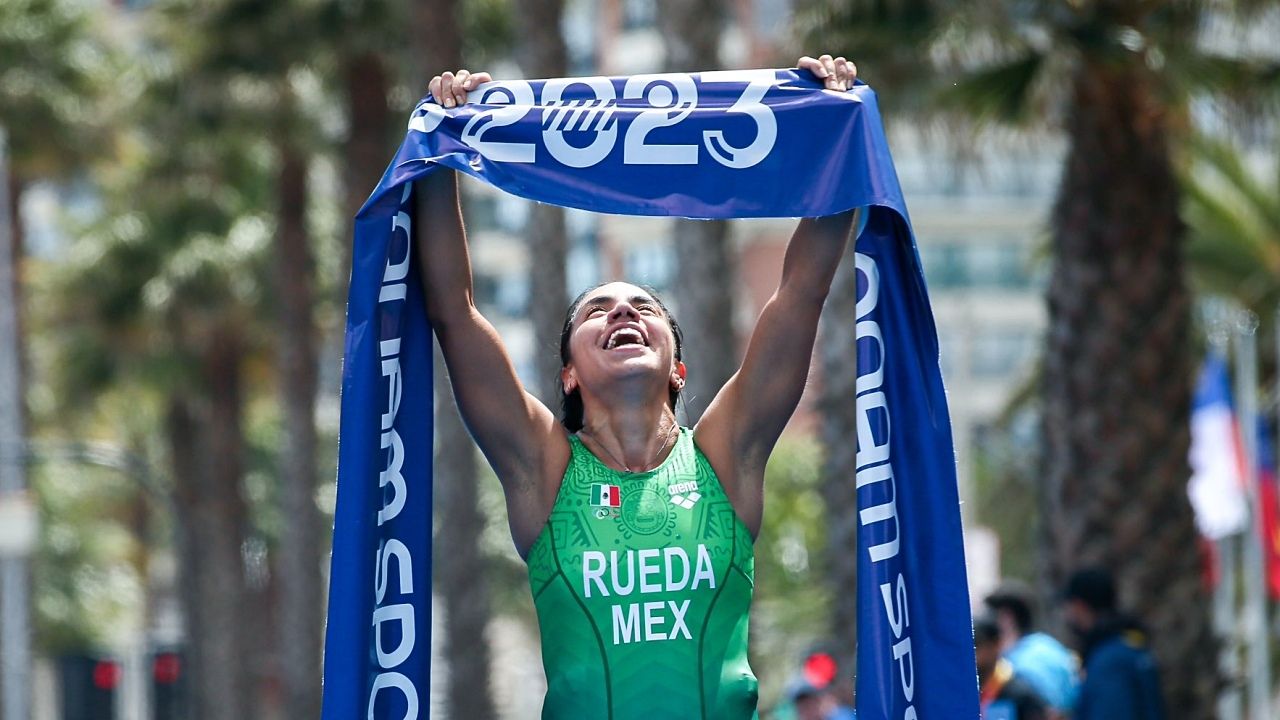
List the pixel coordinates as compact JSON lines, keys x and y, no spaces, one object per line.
{"x":835,"y":73}
{"x":450,"y":89}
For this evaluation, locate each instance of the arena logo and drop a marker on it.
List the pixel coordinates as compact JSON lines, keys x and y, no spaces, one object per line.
{"x":875,"y":476}
{"x":393,"y":621}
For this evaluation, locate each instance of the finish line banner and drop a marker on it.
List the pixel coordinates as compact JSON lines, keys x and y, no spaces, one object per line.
{"x":731,"y":144}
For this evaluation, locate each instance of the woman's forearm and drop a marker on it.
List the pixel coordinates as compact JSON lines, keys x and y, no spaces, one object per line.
{"x":446,"y":264}
{"x":813,"y":253}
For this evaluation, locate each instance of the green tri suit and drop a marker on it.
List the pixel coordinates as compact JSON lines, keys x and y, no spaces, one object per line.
{"x":643,"y":583}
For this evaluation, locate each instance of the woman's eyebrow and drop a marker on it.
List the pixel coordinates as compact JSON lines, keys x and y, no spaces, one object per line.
{"x":600,"y":300}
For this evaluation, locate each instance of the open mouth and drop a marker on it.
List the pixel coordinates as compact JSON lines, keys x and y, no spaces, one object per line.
{"x":625,"y":337}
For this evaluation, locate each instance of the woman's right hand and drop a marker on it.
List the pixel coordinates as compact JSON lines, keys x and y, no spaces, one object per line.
{"x":450,"y":89}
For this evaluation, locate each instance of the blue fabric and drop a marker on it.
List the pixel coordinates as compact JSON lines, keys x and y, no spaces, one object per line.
{"x":1001,"y":710}
{"x":711,"y":145}
{"x":1046,"y":665}
{"x":1121,"y":683}
{"x":1214,"y":384}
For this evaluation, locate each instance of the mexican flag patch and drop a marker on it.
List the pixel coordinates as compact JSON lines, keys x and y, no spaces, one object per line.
{"x":605,"y":496}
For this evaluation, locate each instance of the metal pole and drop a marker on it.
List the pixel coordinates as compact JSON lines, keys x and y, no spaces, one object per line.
{"x":15,"y":630}
{"x":1255,"y":625}
{"x":1225,"y":614}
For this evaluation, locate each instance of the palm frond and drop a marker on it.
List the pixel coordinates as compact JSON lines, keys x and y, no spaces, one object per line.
{"x":1234,"y":226}
{"x":1262,"y":201}
{"x":1220,"y":221}
{"x":1225,"y":75}
{"x":1001,"y":92}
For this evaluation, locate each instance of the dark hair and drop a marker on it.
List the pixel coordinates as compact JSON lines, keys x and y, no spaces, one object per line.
{"x":985,"y":630}
{"x":1014,"y":597}
{"x":1094,"y":587}
{"x":571,"y":403}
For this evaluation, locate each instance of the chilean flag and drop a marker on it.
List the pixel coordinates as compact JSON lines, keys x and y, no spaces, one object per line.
{"x":1217,"y":478}
{"x":1267,"y":496}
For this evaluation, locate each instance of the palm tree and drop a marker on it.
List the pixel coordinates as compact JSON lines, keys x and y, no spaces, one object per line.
{"x":839,"y":423}
{"x":298,"y":561}
{"x":460,"y":578}
{"x":160,"y":296}
{"x":181,"y":346}
{"x":1116,"y":383}
{"x":269,"y":43}
{"x":691,"y":31}
{"x":1233,"y":222}
{"x":542,"y":54}
{"x":884,"y":38}
{"x":49,"y":94}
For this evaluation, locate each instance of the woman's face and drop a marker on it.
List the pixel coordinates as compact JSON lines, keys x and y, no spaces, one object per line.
{"x":619,"y":331}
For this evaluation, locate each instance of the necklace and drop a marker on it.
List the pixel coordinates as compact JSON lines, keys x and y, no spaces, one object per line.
{"x":625,"y":467}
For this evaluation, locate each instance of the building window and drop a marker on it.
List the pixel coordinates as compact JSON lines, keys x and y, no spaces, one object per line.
{"x":639,"y":14}
{"x":1003,"y":264}
{"x":1001,"y":353}
{"x":652,"y":265}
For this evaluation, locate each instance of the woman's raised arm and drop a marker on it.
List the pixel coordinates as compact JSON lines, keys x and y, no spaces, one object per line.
{"x":519,"y":436}
{"x":744,"y":421}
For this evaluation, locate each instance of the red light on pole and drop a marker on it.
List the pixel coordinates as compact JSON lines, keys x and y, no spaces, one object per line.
{"x":166,"y":668}
{"x":106,"y":675}
{"x":820,"y":669}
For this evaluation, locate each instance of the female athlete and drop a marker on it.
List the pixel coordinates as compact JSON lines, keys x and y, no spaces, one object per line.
{"x":637,"y":532}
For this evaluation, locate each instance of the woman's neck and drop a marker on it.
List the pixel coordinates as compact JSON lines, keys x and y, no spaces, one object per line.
{"x":633,"y":439}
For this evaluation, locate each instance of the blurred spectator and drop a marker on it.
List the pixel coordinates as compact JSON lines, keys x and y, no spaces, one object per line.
{"x":816,"y":703}
{"x":1121,"y":681}
{"x":834,"y":678}
{"x":1003,"y":695}
{"x":1038,"y":658}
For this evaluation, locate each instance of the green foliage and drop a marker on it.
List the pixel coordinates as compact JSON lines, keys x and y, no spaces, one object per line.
{"x":887,"y":39}
{"x":792,"y":540}
{"x":52,"y":73}
{"x":1010,"y":60}
{"x":1005,"y":485}
{"x":792,"y":598}
{"x":1233,"y":218}
{"x":508,"y":576}
{"x":488,"y":31}
{"x":1001,"y":92}
{"x":90,"y":578}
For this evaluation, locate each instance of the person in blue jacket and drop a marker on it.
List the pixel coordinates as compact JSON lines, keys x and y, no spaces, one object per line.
{"x":1121,"y":679}
{"x":1037,"y":657}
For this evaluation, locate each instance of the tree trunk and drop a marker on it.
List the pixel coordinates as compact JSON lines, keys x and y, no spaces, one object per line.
{"x":182,"y":436}
{"x":839,"y":426}
{"x":16,"y":188}
{"x":207,"y":448}
{"x":1117,"y":378}
{"x":459,"y":565}
{"x":369,"y":141}
{"x":437,"y":39}
{"x":706,"y":274}
{"x":542,"y":54}
{"x":548,"y":245}
{"x":299,"y":555}
{"x":18,"y":247}
{"x":223,"y":521}
{"x":706,"y":277}
{"x":691,"y":32}
{"x":460,"y":576}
